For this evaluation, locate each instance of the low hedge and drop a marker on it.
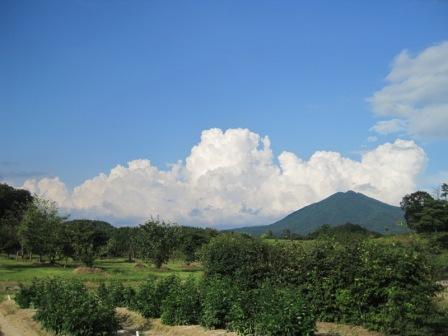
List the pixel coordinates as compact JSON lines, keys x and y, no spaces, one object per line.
{"x":151,"y":294}
{"x":67,"y":308}
{"x":218,"y":296}
{"x":182,"y":304}
{"x":271,"y":311}
{"x":116,"y":295}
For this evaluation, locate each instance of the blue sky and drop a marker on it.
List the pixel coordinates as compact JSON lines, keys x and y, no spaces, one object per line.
{"x":87,"y":85}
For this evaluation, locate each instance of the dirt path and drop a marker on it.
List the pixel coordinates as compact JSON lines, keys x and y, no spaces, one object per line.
{"x":344,"y":330}
{"x":18,"y":322}
{"x":158,"y":329}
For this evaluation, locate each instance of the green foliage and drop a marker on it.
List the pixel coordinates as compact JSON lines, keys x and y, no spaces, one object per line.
{"x":157,"y":241}
{"x":345,"y":233}
{"x":394,"y":289}
{"x":151,"y":294}
{"x":271,"y":311}
{"x":146,"y":300}
{"x":219,"y":294}
{"x":67,"y":308}
{"x":423,"y":213}
{"x":444,"y":191}
{"x":268,"y":235}
{"x":440,"y":240}
{"x":123,"y":242}
{"x":28,"y":296}
{"x":386,"y":287}
{"x":183,"y":304}
{"x":241,"y":258}
{"x":116,"y":295}
{"x":191,"y":239}
{"x":40,"y":229}
{"x":87,"y":238}
{"x":13,"y":203}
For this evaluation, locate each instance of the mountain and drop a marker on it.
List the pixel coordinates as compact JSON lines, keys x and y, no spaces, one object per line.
{"x":339,"y":208}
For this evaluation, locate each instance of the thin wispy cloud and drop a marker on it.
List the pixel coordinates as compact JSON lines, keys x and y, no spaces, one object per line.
{"x":415,"y":99}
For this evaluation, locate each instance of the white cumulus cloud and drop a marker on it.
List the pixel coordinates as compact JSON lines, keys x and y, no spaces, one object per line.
{"x":416,"y":95}
{"x":232,"y":178}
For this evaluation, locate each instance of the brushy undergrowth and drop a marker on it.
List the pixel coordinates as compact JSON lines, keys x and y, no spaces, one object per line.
{"x":67,"y":308}
{"x":258,"y":289}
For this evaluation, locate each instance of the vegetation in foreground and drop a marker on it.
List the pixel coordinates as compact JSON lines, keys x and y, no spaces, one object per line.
{"x":257,"y":288}
{"x":249,"y":285}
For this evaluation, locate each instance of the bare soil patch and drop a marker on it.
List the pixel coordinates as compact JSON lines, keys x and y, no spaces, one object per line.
{"x":158,"y":329}
{"x":326,"y":328}
{"x":131,"y":321}
{"x":140,"y":265}
{"x":15,"y":321}
{"x":88,"y":270}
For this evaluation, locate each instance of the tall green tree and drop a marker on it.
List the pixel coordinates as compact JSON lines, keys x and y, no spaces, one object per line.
{"x":13,"y":203}
{"x":123,"y":243}
{"x":40,"y":228}
{"x":191,"y":239}
{"x":423,"y":213}
{"x":444,"y":191}
{"x":157,"y":241}
{"x":87,"y":238}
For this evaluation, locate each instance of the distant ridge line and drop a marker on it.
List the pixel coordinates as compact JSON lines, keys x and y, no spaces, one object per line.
{"x":337,"y":209}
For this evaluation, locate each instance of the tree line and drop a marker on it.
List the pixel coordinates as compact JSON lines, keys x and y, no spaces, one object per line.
{"x":32,"y":226}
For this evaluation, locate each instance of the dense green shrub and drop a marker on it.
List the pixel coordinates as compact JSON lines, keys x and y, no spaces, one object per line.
{"x":151,"y":294}
{"x":116,"y":295}
{"x":67,"y":308}
{"x":328,"y":268}
{"x":271,"y":311}
{"x":218,"y":296}
{"x":28,"y":296}
{"x":439,"y":240}
{"x":394,"y":289}
{"x":385,"y":286}
{"x":183,"y":304}
{"x":345,"y":233}
{"x":239,"y":257}
{"x":145,"y":299}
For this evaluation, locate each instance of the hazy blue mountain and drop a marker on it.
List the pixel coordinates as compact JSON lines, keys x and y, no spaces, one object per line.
{"x":339,"y":208}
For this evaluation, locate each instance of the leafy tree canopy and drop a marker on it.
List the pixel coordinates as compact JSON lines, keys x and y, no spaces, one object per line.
{"x":13,"y":203}
{"x":423,"y":213}
{"x":157,"y":241}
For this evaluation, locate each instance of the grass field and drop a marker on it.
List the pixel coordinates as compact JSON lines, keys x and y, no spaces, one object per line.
{"x":13,"y":272}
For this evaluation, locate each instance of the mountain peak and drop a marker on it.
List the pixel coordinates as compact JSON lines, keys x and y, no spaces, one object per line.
{"x":337,"y":209}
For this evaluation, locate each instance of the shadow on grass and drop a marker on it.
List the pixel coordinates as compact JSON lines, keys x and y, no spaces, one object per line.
{"x":26,"y":266}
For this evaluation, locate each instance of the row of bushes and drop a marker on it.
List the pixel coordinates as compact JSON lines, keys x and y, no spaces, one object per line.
{"x":68,"y":308}
{"x":388,"y":287}
{"x":217,"y":302}
{"x":256,"y":288}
